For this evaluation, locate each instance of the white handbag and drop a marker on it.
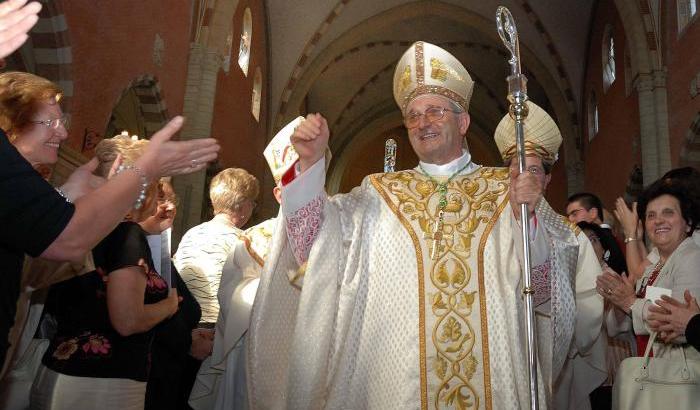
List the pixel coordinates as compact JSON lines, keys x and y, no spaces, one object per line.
{"x":646,"y":383}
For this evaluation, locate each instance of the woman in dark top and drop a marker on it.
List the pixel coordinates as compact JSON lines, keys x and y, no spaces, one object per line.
{"x":35,"y":218}
{"x":177,"y":347}
{"x":100,"y":355}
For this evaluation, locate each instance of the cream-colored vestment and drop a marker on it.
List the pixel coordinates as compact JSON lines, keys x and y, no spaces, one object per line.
{"x":371,"y":320}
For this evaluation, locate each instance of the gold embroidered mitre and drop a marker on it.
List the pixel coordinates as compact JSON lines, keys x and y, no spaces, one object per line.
{"x":428,"y":69}
{"x":541,"y":134}
{"x":279,"y":153}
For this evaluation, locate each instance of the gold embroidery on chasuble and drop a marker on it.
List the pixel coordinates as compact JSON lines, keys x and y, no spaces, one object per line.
{"x":453,"y":330}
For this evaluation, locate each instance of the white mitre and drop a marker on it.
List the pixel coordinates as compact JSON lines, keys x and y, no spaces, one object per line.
{"x":280,"y":153}
{"x":541,"y":134}
{"x":428,"y":69}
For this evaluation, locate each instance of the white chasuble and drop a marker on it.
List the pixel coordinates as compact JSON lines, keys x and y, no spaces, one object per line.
{"x":452,"y":296}
{"x":375,"y":320}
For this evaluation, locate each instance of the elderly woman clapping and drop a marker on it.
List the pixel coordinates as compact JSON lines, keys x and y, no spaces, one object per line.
{"x":669,"y":216}
{"x":36,"y":219}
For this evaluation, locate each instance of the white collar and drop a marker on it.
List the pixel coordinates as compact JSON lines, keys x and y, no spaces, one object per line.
{"x":451,"y":167}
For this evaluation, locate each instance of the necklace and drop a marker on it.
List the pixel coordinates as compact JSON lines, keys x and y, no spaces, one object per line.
{"x":651,"y":279}
{"x":436,"y":235}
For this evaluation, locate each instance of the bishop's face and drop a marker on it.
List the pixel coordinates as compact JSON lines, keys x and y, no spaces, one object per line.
{"x":438,"y":141}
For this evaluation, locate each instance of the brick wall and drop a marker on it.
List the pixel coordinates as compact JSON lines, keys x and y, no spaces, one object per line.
{"x":683,"y":62}
{"x":112,"y":46}
{"x":241,"y":136}
{"x":610,"y":156}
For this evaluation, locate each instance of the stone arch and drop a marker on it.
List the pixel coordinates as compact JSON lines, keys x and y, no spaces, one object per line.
{"x":642,"y":40}
{"x":308,"y":70}
{"x":690,"y":152}
{"x":149,"y":112}
{"x":48,"y":52}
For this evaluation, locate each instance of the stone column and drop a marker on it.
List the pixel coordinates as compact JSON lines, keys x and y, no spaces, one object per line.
{"x":200,"y":90}
{"x":575,"y":175}
{"x":663,"y":143}
{"x":653,"y":118}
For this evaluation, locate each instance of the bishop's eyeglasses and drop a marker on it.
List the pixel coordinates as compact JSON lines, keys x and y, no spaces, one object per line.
{"x":53,"y":123}
{"x":432,"y":114}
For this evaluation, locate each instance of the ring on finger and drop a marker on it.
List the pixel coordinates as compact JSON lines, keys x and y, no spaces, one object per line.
{"x":194,"y":163}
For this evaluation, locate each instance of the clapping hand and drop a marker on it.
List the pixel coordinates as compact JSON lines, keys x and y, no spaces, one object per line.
{"x":616,"y":288}
{"x":628,"y":219}
{"x":670,"y":317}
{"x":164,"y":157}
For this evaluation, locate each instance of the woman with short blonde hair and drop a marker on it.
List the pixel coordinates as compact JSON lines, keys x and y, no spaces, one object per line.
{"x":231,"y":188}
{"x":203,"y":249}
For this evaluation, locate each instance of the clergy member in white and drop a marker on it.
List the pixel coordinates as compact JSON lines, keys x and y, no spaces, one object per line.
{"x":405,"y":293}
{"x":576,"y":374}
{"x":221,"y":381}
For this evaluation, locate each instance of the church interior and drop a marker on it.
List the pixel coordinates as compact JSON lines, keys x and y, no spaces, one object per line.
{"x":620,"y":77}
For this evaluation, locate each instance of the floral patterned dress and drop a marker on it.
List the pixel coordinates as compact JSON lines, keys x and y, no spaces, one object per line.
{"x":85,"y":343}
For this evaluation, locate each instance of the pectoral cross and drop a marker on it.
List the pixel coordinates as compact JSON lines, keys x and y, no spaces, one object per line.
{"x":436,"y":236}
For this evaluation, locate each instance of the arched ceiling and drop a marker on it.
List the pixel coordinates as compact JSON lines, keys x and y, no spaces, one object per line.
{"x":338,"y":58}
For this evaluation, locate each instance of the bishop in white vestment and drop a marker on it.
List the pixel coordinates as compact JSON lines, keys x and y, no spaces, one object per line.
{"x":406,"y":293}
{"x":580,"y":367}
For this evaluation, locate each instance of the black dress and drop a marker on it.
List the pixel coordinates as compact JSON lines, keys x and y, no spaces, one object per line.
{"x":173,"y":370}
{"x":86,"y":344}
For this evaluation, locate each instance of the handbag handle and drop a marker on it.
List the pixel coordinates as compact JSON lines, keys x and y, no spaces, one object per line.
{"x":647,"y":351}
{"x":645,"y":373}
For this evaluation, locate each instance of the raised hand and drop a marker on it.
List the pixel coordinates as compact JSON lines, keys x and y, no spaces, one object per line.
{"x":16,"y":19}
{"x":628,"y":219}
{"x":164,"y":157}
{"x":310,"y":140}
